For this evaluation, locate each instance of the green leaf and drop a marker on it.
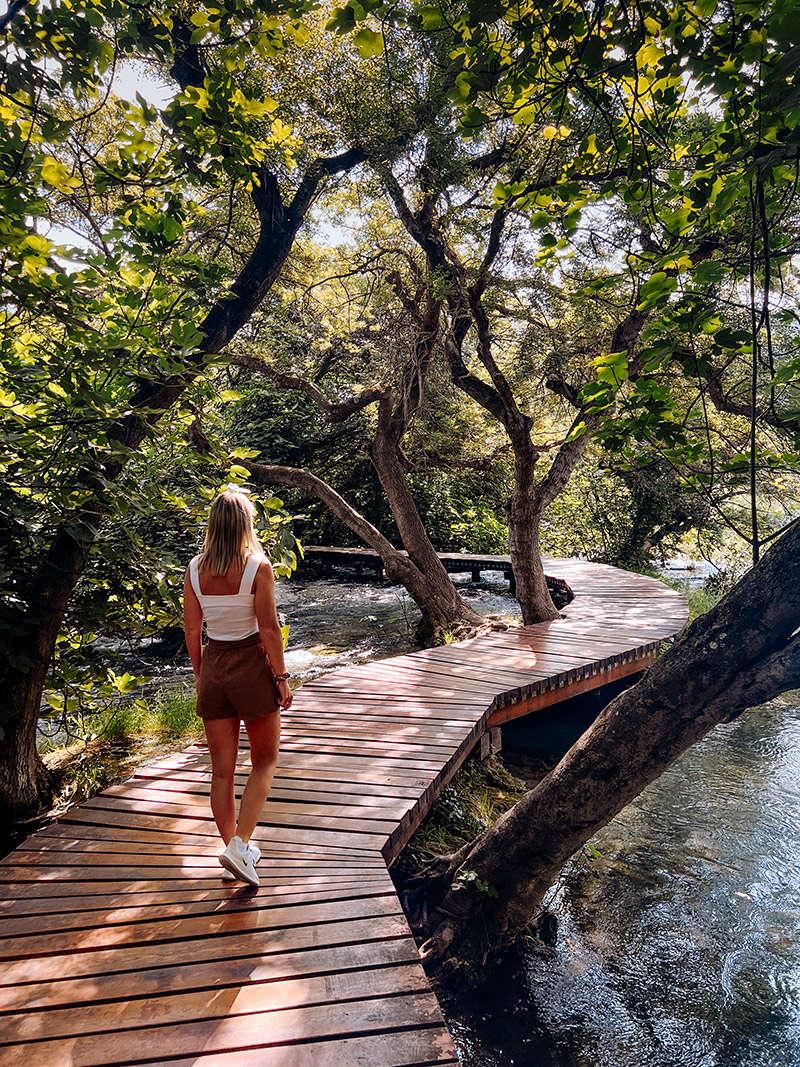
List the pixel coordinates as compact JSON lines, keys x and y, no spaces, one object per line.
{"x":56,"y":174}
{"x":368,"y":42}
{"x":657,"y":289}
{"x":431,"y":18}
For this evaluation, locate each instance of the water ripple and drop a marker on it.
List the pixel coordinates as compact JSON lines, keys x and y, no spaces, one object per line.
{"x":681,"y":945}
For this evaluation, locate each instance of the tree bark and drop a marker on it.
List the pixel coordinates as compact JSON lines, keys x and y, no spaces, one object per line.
{"x":437,"y":598}
{"x":741,"y":653}
{"x":524,"y":520}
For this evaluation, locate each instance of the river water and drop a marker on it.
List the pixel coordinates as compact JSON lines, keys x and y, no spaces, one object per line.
{"x":679,"y":945}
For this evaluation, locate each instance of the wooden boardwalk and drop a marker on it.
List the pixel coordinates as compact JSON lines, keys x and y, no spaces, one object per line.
{"x":453,"y":562}
{"x":121,"y":945}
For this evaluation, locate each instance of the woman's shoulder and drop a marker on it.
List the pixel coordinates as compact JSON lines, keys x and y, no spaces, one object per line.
{"x":264,"y":565}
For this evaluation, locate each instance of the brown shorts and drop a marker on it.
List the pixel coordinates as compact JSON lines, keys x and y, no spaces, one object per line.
{"x":236,"y":681}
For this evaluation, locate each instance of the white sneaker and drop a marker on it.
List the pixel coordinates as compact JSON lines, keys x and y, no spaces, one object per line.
{"x":240,"y":861}
{"x":229,"y":876}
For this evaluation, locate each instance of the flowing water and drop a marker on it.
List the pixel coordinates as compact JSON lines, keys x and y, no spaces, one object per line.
{"x":680,"y":945}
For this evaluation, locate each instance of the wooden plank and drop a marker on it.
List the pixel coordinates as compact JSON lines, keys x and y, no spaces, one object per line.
{"x":376,"y":1015}
{"x":244,"y":970}
{"x":134,"y":876}
{"x":98,"y":816}
{"x":424,"y":726}
{"x":130,"y":958}
{"x":27,"y":898}
{"x":403,"y":729}
{"x":218,"y":924}
{"x":193,"y":804}
{"x":273,"y":815}
{"x":149,"y":911}
{"x":156,"y":863}
{"x":405,"y":784}
{"x":220,"y":1000}
{"x":422,"y":1047}
{"x":110,"y":908}
{"x":353,"y":692}
{"x":467,"y":671}
{"x":271,"y":846}
{"x":199,"y":787}
{"x":402,"y":683}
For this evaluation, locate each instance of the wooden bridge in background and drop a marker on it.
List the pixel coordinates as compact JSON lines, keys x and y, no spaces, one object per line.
{"x":454,"y":562}
{"x":121,"y":945}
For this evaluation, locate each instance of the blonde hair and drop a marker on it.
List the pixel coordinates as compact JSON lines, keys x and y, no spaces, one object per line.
{"x":230,"y":535}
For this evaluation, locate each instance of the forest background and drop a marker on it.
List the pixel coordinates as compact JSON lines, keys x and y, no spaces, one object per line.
{"x":475,"y":276}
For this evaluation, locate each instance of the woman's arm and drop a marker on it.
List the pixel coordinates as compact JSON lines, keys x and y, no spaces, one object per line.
{"x":193,"y":624}
{"x":270,"y":629}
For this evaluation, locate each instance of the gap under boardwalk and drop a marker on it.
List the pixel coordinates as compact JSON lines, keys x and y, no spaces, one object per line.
{"x":120,"y":944}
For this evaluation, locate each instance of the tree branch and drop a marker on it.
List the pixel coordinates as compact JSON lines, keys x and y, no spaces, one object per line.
{"x":564,"y":462}
{"x":297,"y":478}
{"x":333,"y":412}
{"x":722,"y":402}
{"x":13,"y":8}
{"x":625,"y":338}
{"x":316,"y":172}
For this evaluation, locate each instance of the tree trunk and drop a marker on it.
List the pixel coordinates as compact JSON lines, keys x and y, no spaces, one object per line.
{"x":740,"y":654}
{"x":25,"y":786}
{"x":524,"y":518}
{"x":24,"y":781}
{"x":437,"y":598}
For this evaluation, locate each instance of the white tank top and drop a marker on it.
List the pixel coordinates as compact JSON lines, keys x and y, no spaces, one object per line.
{"x":229,"y":616}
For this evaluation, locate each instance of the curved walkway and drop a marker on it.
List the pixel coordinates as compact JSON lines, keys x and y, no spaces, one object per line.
{"x":121,"y":945}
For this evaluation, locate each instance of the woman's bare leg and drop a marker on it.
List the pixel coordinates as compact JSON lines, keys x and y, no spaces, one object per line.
{"x":223,"y":744}
{"x":264,"y":737}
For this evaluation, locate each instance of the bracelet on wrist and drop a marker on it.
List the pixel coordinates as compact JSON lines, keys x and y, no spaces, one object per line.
{"x":282,"y":677}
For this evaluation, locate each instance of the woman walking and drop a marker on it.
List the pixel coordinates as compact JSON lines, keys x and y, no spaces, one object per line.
{"x":240,"y":673}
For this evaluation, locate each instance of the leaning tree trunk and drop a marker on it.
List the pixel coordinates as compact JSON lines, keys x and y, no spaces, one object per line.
{"x":741,"y":653}
{"x":437,"y":598}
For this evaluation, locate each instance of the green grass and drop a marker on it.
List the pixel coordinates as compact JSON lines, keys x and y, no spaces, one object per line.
{"x":477,"y":795}
{"x":701,"y":598}
{"x":169,"y":716}
{"x":135,"y":733}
